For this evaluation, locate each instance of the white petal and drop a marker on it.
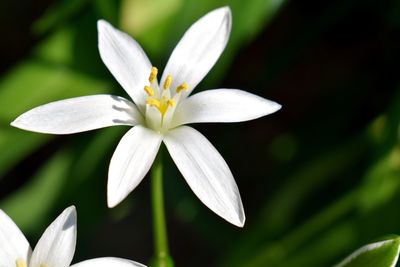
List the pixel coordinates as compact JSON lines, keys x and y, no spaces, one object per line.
{"x":13,"y":244}
{"x":79,"y":114}
{"x":199,"y":49}
{"x":153,"y":117}
{"x":126,"y":60}
{"x":56,"y":247}
{"x":206,"y":173}
{"x":223,"y":105}
{"x":131,"y":161}
{"x":108,"y":262}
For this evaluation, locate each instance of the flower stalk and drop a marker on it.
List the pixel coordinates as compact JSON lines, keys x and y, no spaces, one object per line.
{"x":161,"y":257}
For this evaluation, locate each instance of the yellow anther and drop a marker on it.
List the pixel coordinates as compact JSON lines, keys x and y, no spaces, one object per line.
{"x":20,"y":263}
{"x":167,"y":82}
{"x":43,"y":265}
{"x":153,"y":102}
{"x":148,"y":90}
{"x":170,"y":102}
{"x":181,"y":87}
{"x":153,"y":74}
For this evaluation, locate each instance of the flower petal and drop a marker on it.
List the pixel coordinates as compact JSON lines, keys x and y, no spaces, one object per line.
{"x":206,"y":173}
{"x":222,"y":105}
{"x":126,"y":60}
{"x":13,"y":244}
{"x":108,"y":262}
{"x":79,"y":114}
{"x":131,"y":161}
{"x":199,"y":49}
{"x":56,"y":247}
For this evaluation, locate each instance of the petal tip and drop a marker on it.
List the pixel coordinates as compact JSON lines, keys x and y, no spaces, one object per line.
{"x":71,"y":208}
{"x":227,"y":14}
{"x":228,"y":10}
{"x":225,"y":9}
{"x":103,"y":27}
{"x":71,"y":211}
{"x":14,"y":123}
{"x":271,"y":107}
{"x":238,"y":221}
{"x":101,"y":23}
{"x":111,"y":204}
{"x":20,"y":123}
{"x":241,"y":219}
{"x":277,"y":106}
{"x":112,"y":200}
{"x":238,"y":217}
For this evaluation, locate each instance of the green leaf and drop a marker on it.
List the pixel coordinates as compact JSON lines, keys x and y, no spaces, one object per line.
{"x":381,"y":181}
{"x":380,"y":254}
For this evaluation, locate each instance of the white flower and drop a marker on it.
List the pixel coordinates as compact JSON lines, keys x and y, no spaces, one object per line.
{"x":159,"y":112}
{"x":55,"y":248}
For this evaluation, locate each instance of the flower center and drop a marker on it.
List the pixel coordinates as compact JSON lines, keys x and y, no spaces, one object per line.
{"x":20,"y":263}
{"x":161,"y":99}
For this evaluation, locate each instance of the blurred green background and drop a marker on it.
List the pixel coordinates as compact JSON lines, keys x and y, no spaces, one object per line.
{"x":318,"y":179}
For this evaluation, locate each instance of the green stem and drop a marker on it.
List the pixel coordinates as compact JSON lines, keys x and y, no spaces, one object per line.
{"x":161,"y":257}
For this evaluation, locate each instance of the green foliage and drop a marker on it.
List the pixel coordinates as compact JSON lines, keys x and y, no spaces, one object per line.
{"x":39,"y":194}
{"x":380,"y":254}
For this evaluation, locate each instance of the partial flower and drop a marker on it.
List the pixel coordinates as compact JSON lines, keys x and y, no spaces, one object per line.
{"x":159,"y":111}
{"x":55,"y":248}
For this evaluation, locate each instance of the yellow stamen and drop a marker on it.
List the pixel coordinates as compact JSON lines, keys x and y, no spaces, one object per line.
{"x":153,"y":74}
{"x":153,"y":102}
{"x":170,"y":102}
{"x":167,"y":82}
{"x":181,"y":87}
{"x":159,"y":100}
{"x":43,"y":265}
{"x":20,"y":263}
{"x":148,"y":90}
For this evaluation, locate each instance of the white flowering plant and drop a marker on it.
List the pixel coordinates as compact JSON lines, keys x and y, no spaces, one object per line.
{"x":159,"y":107}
